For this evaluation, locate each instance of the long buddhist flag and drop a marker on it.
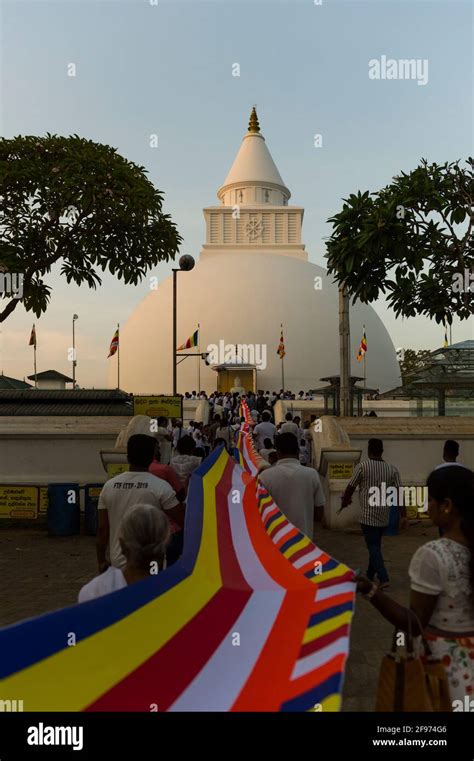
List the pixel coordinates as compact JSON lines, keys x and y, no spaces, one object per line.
{"x":114,"y":344}
{"x":446,"y":342}
{"x":33,"y":337}
{"x":281,"y":345}
{"x":244,"y":570}
{"x":244,"y":412}
{"x":191,"y":342}
{"x":362,"y":347}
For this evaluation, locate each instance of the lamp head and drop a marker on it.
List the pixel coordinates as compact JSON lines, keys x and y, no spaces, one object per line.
{"x":186,"y":262}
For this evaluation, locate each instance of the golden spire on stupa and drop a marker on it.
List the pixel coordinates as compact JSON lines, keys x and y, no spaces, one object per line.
{"x":254,"y":126}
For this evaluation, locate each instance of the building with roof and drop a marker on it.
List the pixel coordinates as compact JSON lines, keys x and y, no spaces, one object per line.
{"x":252,"y":275}
{"x":447,"y":378}
{"x":50,"y":379}
{"x":7,"y":383}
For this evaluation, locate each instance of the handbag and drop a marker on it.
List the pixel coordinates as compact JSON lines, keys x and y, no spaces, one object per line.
{"x":437,"y":683}
{"x":409,"y":683}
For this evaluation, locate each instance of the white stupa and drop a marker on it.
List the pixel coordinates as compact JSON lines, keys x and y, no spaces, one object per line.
{"x":252,"y":275}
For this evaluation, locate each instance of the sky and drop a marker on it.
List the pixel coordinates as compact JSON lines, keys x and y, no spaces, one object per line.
{"x":165,"y":68}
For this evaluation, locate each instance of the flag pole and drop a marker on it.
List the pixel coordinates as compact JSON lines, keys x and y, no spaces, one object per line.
{"x":118,"y":356}
{"x":365,"y":366}
{"x":282,"y":365}
{"x":199,"y":360}
{"x":34,"y":355}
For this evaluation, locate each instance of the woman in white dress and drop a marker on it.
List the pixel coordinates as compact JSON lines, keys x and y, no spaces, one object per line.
{"x":144,"y":536}
{"x":442,"y":582}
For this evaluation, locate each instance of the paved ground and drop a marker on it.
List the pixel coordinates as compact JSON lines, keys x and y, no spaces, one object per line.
{"x":41,"y":573}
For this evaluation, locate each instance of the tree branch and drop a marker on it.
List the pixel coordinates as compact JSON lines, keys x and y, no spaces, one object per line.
{"x":10,"y":307}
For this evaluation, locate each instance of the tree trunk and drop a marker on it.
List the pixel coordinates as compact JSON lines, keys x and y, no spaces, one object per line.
{"x":344,"y":344}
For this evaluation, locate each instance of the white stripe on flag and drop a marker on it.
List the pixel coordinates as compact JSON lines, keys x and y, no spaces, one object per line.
{"x":313,"y":555}
{"x":281,"y":533}
{"x":320,"y":657}
{"x":336,"y":589}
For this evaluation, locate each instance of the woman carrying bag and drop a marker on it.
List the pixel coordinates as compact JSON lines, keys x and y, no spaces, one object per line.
{"x":441,"y":606}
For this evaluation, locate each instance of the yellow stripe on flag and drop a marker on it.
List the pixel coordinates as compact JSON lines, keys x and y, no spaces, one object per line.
{"x":77,"y":676}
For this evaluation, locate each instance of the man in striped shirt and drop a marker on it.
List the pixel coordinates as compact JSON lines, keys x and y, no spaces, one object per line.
{"x":380,"y":488}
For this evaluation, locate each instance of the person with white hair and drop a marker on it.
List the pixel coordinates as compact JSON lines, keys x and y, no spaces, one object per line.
{"x":144,"y":535}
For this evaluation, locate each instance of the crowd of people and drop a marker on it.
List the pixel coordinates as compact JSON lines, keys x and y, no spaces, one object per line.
{"x":135,"y":537}
{"x":223,"y":429}
{"x":228,"y":402}
{"x":262,"y":399}
{"x":159,"y":469}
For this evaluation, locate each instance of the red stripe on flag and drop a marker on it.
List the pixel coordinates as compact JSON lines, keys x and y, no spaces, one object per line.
{"x":162,"y":678}
{"x":324,"y":641}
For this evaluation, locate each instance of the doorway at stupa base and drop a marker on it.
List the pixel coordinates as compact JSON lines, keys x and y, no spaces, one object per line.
{"x":231,"y":377}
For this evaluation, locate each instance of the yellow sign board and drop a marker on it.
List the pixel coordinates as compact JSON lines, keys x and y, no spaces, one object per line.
{"x":158,"y":406}
{"x":114,"y":468}
{"x":19,"y":501}
{"x":412,"y":513}
{"x":415,"y":499}
{"x":340,"y":469}
{"x":94,"y":492}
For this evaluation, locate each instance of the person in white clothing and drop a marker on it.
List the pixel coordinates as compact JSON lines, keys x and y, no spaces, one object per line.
{"x":442,"y":583}
{"x":197,"y":434}
{"x":450,"y":454}
{"x":296,"y":489}
{"x":119,"y":494}
{"x":304,"y":454}
{"x":143,"y":537}
{"x":264,"y":430}
{"x":185,"y":461}
{"x":267,"y":449}
{"x":225,"y":432}
{"x":297,"y":421}
{"x":289,"y":426}
{"x":178,"y":433}
{"x":164,"y":438}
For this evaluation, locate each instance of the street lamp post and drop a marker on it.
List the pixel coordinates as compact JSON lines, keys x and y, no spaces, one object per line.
{"x":74,"y":318}
{"x":186,"y":263}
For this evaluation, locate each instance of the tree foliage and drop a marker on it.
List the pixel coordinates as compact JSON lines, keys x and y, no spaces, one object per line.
{"x":73,"y":201}
{"x":409,"y":241}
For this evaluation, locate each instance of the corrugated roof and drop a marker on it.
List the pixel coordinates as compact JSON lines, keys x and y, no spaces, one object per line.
{"x":12,"y":383}
{"x":65,"y":402}
{"x":65,"y":394}
{"x":64,"y":410}
{"x":462,"y":345}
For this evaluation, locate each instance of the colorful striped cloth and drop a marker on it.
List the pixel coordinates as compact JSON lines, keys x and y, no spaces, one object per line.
{"x":253,"y":617}
{"x":246,"y":454}
{"x":190,"y":342}
{"x":248,"y":422}
{"x":114,"y":344}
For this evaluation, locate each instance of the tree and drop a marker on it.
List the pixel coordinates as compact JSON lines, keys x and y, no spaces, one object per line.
{"x":70,"y":200}
{"x":413,"y":241}
{"x":412,"y":362}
